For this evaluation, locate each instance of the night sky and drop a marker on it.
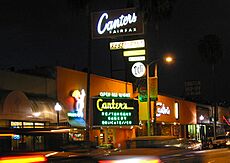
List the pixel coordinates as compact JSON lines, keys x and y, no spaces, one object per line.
{"x":49,"y":33}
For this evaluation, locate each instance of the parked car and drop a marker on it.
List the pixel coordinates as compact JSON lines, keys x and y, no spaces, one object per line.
{"x":191,"y":144}
{"x":220,"y":141}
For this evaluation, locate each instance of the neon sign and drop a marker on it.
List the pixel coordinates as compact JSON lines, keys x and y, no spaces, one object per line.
{"x":79,"y":102}
{"x":116,"y":23}
{"x":76,"y":117}
{"x":162,"y":109}
{"x":114,"y":94}
{"x":112,"y":25}
{"x":115,"y":112}
{"x":101,"y":105}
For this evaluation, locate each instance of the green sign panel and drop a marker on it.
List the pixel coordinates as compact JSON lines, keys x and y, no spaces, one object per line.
{"x":115,"y":112}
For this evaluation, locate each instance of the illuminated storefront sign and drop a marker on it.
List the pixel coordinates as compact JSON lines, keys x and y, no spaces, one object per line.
{"x":114,"y":94}
{"x":116,"y":23}
{"x":176,"y":110}
{"x":162,"y":109}
{"x":101,"y":105}
{"x":76,"y":116}
{"x":127,"y":44}
{"x":115,"y":112}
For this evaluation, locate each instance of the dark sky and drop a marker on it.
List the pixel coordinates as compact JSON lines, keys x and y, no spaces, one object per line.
{"x":48,"y":33}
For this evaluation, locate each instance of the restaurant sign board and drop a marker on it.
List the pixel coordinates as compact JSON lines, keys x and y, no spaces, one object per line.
{"x":114,"y":23}
{"x":115,"y":112}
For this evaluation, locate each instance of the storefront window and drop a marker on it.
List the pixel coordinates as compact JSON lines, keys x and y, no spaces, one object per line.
{"x":28,"y":125}
{"x":39,"y":125}
{"x":192,"y":131}
{"x":14,"y":124}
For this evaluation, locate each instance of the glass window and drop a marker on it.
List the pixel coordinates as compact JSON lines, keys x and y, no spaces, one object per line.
{"x":39,"y":125}
{"x":15,"y":124}
{"x":28,"y":125}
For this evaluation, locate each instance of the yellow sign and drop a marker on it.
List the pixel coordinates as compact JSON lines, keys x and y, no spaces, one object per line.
{"x":112,"y":105}
{"x":133,"y":53}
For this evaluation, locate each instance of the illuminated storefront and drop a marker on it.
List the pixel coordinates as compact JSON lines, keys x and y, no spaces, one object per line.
{"x":112,"y":108}
{"x":114,"y":115}
{"x":174,"y":115}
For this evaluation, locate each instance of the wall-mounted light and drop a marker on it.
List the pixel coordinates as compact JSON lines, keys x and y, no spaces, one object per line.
{"x":201,"y":117}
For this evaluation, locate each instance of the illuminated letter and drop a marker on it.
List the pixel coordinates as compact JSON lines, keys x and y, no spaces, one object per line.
{"x":98,"y":106}
{"x":99,"y":28}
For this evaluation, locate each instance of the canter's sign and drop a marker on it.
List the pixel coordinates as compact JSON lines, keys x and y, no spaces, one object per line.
{"x":115,"y":112}
{"x":116,"y":23}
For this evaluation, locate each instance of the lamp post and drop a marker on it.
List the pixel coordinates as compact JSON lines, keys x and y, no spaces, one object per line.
{"x":57,"y":108}
{"x":167,"y":59}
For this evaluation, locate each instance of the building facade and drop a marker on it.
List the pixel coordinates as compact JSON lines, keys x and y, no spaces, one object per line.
{"x":173,"y":116}
{"x":27,"y":113}
{"x":29,"y":121}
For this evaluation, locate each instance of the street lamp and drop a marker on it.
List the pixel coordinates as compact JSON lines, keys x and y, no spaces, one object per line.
{"x":57,"y":108}
{"x":167,"y":59}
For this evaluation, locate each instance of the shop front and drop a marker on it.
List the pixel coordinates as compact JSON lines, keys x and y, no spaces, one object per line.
{"x":114,"y":119}
{"x":173,"y":116}
{"x":223,"y":123}
{"x":206,"y":127}
{"x":27,"y":122}
{"x":106,"y":125}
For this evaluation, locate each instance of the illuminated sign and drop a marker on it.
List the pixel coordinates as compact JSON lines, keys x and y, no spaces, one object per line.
{"x":127,"y":44}
{"x":101,"y":105}
{"x":135,"y":59}
{"x":16,"y":137}
{"x":79,"y":102}
{"x":114,"y":94}
{"x":76,"y":116}
{"x":129,"y":53}
{"x":176,"y":107}
{"x":162,"y":109}
{"x":115,"y":112}
{"x":116,"y":23}
{"x":138,"y":69}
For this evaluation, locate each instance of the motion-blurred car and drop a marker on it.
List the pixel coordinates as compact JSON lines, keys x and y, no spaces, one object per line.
{"x":221,"y":141}
{"x":89,"y":148}
{"x":22,"y":158}
{"x":190,"y":144}
{"x":161,"y":149}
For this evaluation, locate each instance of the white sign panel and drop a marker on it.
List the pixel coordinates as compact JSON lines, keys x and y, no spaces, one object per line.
{"x":138,"y":69}
{"x":127,"y":44}
{"x":114,"y":23}
{"x":135,"y":59}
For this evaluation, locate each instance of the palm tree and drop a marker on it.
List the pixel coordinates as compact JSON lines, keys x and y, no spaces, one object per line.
{"x":211,"y":52}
